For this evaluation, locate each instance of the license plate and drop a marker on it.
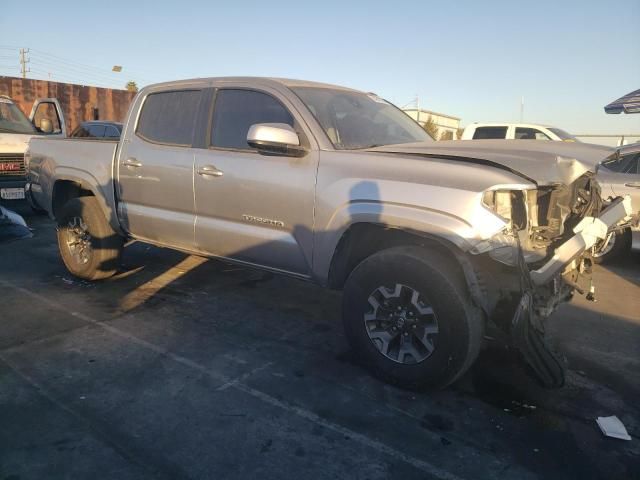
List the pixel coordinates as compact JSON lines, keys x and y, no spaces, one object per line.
{"x":12,"y":193}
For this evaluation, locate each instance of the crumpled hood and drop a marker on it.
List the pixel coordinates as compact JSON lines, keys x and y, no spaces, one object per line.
{"x":543,"y":162}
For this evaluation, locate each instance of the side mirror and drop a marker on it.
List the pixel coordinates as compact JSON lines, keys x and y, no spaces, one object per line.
{"x":46,"y":126}
{"x":275,"y":139}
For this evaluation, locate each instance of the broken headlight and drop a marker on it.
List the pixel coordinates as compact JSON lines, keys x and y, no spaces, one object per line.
{"x":514,"y":208}
{"x":509,"y":205}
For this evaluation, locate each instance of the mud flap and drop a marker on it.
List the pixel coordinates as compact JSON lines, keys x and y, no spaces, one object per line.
{"x":528,"y":335}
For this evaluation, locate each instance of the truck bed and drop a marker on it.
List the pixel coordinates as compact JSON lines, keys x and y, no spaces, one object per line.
{"x":88,"y":162}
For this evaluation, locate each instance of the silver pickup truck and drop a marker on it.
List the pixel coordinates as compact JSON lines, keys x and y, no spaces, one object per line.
{"x":430,"y":242}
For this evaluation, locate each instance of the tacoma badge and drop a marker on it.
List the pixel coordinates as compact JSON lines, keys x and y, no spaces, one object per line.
{"x":268,"y":221}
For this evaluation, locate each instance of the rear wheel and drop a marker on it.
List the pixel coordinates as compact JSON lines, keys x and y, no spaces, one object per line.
{"x":409,"y":318}
{"x":89,"y":247}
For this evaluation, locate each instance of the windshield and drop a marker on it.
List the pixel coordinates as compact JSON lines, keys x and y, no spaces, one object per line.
{"x":12,"y":120}
{"x":354,"y":120}
{"x":563,"y":135}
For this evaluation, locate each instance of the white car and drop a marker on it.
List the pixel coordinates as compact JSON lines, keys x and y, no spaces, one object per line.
{"x":515,"y":131}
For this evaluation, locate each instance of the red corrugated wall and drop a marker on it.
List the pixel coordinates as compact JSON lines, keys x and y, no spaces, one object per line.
{"x":78,"y":101}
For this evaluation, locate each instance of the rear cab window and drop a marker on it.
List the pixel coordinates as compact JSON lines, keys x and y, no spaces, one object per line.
{"x":236,"y":110}
{"x":486,"y":133}
{"x":169,"y":117}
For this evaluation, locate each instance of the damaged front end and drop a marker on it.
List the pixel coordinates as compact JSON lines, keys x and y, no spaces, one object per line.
{"x":540,"y":258}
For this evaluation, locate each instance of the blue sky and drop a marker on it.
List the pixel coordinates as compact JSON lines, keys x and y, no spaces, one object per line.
{"x":472,"y":59}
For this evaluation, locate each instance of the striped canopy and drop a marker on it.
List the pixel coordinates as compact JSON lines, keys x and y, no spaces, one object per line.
{"x":630,"y":103}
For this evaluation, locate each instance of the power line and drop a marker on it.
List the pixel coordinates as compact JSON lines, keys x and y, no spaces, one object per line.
{"x":23,"y":62}
{"x":79,"y":65}
{"x":48,"y":64}
{"x":62,"y":68}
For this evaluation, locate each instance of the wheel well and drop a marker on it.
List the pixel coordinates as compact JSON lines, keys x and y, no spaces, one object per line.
{"x":364,"y":239}
{"x":65,"y":190}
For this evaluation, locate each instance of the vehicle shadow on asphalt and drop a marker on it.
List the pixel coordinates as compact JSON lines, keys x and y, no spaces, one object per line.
{"x":497,"y":386}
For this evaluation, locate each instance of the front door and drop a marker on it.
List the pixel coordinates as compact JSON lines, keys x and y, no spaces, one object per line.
{"x":252,"y":207}
{"x":155,"y":170}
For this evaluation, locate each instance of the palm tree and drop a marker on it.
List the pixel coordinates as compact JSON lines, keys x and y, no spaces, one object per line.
{"x":132,"y":86}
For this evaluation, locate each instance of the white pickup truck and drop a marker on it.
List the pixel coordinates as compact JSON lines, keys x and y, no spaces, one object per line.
{"x":15,"y":132}
{"x":515,"y":131}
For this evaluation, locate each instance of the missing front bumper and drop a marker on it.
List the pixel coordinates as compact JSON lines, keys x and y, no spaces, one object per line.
{"x":587,"y":233}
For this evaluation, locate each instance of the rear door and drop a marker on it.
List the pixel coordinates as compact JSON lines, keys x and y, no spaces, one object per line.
{"x":155,"y":169}
{"x":252,"y":207}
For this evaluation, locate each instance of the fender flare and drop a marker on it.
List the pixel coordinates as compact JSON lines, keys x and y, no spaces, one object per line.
{"x":105,"y":194}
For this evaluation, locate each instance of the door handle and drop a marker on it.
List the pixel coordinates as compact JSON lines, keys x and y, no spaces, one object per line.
{"x":132,"y":162}
{"x":209,"y":170}
{"x":632,"y":184}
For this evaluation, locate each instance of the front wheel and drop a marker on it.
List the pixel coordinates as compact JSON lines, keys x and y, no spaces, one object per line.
{"x":409,"y":319}
{"x":89,"y":247}
{"x":619,"y":243}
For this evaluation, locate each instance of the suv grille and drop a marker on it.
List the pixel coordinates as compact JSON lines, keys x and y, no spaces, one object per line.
{"x":12,"y":165}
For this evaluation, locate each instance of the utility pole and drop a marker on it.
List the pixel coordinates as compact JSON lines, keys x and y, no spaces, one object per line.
{"x":23,"y":62}
{"x":521,"y":109}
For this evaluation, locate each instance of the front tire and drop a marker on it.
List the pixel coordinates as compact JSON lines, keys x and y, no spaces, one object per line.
{"x":619,"y":243}
{"x":89,"y":247}
{"x":409,"y":319}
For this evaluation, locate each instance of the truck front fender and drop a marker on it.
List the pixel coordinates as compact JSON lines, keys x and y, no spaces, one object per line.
{"x":453,"y":230}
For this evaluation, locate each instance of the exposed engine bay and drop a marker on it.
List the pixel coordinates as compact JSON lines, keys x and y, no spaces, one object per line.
{"x":550,"y":225}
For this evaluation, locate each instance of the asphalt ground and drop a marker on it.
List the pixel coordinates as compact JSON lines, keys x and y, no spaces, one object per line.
{"x":185,"y":368}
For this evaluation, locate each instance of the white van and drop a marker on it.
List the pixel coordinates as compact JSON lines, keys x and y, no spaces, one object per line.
{"x":516,"y":131}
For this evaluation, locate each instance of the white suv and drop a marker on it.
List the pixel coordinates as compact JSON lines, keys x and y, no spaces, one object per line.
{"x":515,"y":131}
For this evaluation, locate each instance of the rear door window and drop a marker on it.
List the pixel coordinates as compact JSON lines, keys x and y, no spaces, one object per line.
{"x":235,"y":111}
{"x":112,"y":132}
{"x":524,"y":133}
{"x":633,"y":163}
{"x":96,"y":131}
{"x":484,"y":133}
{"x":169,"y":117}
{"x":80,"y":132}
{"x":623,"y":164}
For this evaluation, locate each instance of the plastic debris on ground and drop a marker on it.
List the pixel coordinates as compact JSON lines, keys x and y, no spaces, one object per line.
{"x":613,"y":427}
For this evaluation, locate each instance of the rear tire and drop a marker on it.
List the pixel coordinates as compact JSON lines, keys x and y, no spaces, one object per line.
{"x":89,"y":247}
{"x":411,"y":294}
